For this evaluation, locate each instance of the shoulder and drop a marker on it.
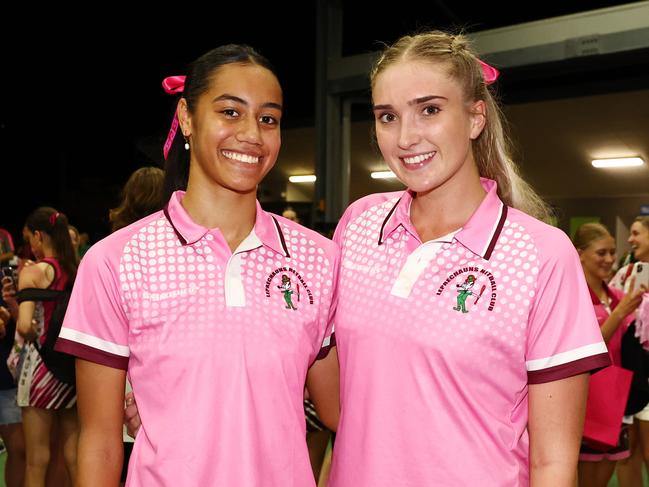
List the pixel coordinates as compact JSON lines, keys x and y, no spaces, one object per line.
{"x":110,"y":250}
{"x":33,"y":275}
{"x":549,"y":243}
{"x":372,"y":208}
{"x":617,"y":282}
{"x":380,"y":202}
{"x":298,"y":236}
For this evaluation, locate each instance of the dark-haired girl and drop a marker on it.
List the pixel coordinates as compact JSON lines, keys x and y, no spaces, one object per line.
{"x":187,"y":301}
{"x":43,"y":398}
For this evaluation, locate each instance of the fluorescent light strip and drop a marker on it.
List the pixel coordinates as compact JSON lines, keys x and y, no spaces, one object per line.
{"x":383,"y":175}
{"x":307,"y":178}
{"x":618,"y":162}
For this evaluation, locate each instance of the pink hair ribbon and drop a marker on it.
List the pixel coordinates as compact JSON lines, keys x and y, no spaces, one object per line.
{"x":172,"y":85}
{"x":489,"y":73}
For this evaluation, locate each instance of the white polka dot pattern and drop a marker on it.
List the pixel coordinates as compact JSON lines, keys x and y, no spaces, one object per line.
{"x":174,"y":293}
{"x":496,"y":324}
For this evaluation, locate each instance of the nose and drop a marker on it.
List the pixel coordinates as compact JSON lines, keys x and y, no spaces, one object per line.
{"x":409,"y":134}
{"x":249,"y":131}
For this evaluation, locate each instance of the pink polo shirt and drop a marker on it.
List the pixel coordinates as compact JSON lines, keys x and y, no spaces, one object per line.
{"x":438,"y":342}
{"x":217,"y":344}
{"x":602,"y":312}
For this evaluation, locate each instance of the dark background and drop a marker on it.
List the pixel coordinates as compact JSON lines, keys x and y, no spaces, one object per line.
{"x":82,"y":106}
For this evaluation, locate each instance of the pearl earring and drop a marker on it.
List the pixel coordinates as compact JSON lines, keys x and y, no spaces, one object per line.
{"x":186,"y":143}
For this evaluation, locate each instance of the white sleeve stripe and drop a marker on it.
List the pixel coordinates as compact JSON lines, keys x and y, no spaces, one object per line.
{"x":94,"y":342}
{"x":566,"y":357}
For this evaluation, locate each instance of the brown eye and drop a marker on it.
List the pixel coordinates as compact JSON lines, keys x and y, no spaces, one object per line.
{"x":387,"y":118}
{"x":431,"y":110}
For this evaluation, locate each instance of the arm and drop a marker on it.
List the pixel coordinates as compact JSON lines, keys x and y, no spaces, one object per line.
{"x":556,"y":421}
{"x":100,"y":400}
{"x":626,"y":306}
{"x":9,"y":296}
{"x":323,"y":384}
{"x":4,"y":320}
{"x":29,"y":277}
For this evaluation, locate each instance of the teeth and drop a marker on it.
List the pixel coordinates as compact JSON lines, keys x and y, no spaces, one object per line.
{"x":418,"y":159}
{"x":237,"y":156}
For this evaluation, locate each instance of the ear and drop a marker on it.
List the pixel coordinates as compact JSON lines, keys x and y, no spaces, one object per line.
{"x":184,"y":117}
{"x":38,"y":236}
{"x":478,"y":118}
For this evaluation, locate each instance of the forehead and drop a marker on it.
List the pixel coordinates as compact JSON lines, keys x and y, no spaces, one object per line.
{"x":251,"y":82}
{"x":607,"y":241}
{"x":414,"y":79}
{"x":638,"y":227}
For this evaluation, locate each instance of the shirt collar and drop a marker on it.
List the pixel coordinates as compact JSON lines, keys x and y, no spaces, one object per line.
{"x":482,"y":231}
{"x":479,"y":234}
{"x":267,"y":230}
{"x":612,"y":297}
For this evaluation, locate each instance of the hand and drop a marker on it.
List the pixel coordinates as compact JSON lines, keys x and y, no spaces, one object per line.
{"x":631,"y":300}
{"x":5,"y":316}
{"x":131,"y":416}
{"x":9,"y":296}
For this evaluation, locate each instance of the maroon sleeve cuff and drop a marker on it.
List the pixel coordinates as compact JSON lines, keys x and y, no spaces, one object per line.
{"x":91,"y":354}
{"x":587,"y":364}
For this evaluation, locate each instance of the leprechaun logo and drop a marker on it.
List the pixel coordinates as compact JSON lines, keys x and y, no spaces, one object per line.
{"x":285,"y":287}
{"x":472,"y":285}
{"x":291,"y":286}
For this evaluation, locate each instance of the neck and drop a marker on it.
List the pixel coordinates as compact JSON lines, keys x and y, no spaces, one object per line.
{"x":596,"y":284}
{"x":47,"y":250}
{"x":217,"y":207}
{"x":448,"y":207}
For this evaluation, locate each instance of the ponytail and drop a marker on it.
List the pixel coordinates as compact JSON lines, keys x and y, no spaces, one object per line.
{"x":49,"y":221}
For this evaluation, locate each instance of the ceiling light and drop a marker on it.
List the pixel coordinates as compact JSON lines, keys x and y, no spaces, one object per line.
{"x":618,"y":162}
{"x":307,"y":178}
{"x":383,"y":175}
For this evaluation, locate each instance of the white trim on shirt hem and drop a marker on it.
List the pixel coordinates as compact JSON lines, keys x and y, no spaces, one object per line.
{"x":94,"y":342}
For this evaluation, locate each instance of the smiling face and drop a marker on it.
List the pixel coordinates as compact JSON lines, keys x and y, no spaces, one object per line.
{"x":424,"y":125}
{"x":639,"y":241}
{"x":597,"y":259}
{"x":234,"y":129}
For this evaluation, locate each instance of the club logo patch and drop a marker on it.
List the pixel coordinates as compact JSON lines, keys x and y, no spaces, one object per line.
{"x":290,"y":285}
{"x":472,"y":285}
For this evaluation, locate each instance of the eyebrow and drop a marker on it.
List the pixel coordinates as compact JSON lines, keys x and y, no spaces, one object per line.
{"x":416,"y":101}
{"x":237,"y":99}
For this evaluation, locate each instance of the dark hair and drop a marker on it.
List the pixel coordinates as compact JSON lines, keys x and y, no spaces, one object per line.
{"x":49,"y":221}
{"x":141,"y":196}
{"x":199,"y":75}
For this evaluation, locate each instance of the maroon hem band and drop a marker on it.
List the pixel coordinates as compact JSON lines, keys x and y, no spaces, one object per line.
{"x":91,"y":354}
{"x":563,"y":371}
